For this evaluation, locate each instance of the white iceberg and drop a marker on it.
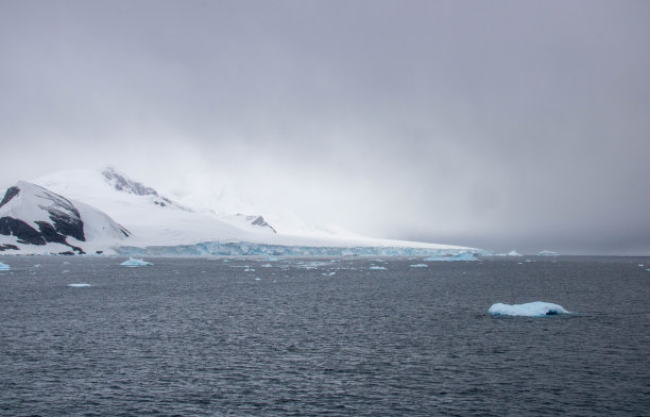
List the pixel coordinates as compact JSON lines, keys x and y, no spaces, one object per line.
{"x":4,"y":267}
{"x":464,"y":256}
{"x":133,"y":262}
{"x":547,"y":253}
{"x":81,"y":285}
{"x":534,"y":309}
{"x":513,"y":253}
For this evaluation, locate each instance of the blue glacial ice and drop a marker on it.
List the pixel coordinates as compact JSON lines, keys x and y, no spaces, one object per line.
{"x":272,"y":252}
{"x":133,"y":263}
{"x":4,"y":267}
{"x":462,"y":256}
{"x":534,"y":309}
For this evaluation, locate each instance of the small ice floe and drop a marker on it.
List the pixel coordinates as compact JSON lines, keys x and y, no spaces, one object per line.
{"x":266,"y":266}
{"x":328,"y":274}
{"x":80,"y":285}
{"x":419,"y":266}
{"x":133,"y":263}
{"x":37,"y":266}
{"x":464,"y":256}
{"x":249,"y":270}
{"x":4,"y":267}
{"x":534,"y":309}
{"x":377,"y":268}
{"x":65,"y":271}
{"x":258,"y":278}
{"x":225,"y":261}
{"x":273,"y":259}
{"x":547,"y":253}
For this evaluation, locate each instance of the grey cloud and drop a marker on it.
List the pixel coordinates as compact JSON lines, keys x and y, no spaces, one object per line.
{"x":497,"y":122}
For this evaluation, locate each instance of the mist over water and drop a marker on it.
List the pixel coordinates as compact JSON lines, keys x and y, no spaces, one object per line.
{"x":316,"y":337}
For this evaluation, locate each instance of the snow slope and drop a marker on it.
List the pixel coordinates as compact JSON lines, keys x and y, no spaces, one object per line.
{"x":36,"y":220}
{"x":161,"y":226}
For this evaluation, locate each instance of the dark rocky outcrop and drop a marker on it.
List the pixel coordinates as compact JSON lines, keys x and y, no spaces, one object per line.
{"x":9,"y":194}
{"x":23,"y":231}
{"x":259,"y":221}
{"x":122,"y":183}
{"x":8,"y":247}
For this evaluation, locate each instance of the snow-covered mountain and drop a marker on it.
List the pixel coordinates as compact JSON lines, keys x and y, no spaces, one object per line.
{"x":144,"y":222}
{"x":36,"y":220}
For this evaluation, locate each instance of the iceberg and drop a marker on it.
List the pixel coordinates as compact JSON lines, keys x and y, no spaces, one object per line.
{"x":513,"y":253}
{"x":534,"y":309}
{"x":547,"y":253}
{"x":133,"y":263}
{"x":463,"y":256}
{"x":81,"y":285}
{"x":4,"y":267}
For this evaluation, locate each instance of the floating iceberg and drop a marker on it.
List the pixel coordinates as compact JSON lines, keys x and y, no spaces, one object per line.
{"x":82,"y":285}
{"x":535,"y":309}
{"x":547,"y":253}
{"x":4,"y":267}
{"x":133,"y":262}
{"x":513,"y":253}
{"x":464,"y":256}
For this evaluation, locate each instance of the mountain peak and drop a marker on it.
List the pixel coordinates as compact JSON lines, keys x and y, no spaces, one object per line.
{"x":122,"y":183}
{"x":33,"y":215}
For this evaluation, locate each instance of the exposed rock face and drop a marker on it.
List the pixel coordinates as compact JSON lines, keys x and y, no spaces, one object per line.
{"x":37,"y":216}
{"x":259,"y":221}
{"x":121,"y":183}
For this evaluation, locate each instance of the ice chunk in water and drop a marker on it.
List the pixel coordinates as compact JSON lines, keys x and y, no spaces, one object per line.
{"x":534,"y":309}
{"x":4,"y":267}
{"x":133,"y":262}
{"x":80,"y":285}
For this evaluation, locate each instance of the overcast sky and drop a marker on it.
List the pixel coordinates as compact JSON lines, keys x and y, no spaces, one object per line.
{"x":495,"y":124}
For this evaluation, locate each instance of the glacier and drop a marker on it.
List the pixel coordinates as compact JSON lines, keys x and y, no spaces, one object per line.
{"x":533,"y":309}
{"x":232,"y":249}
{"x":447,"y":256}
{"x":115,"y":215}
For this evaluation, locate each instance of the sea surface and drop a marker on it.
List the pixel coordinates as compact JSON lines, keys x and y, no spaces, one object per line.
{"x":320,"y":337}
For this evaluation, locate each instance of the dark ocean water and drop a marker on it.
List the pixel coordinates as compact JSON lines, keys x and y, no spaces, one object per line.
{"x":198,"y":337}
